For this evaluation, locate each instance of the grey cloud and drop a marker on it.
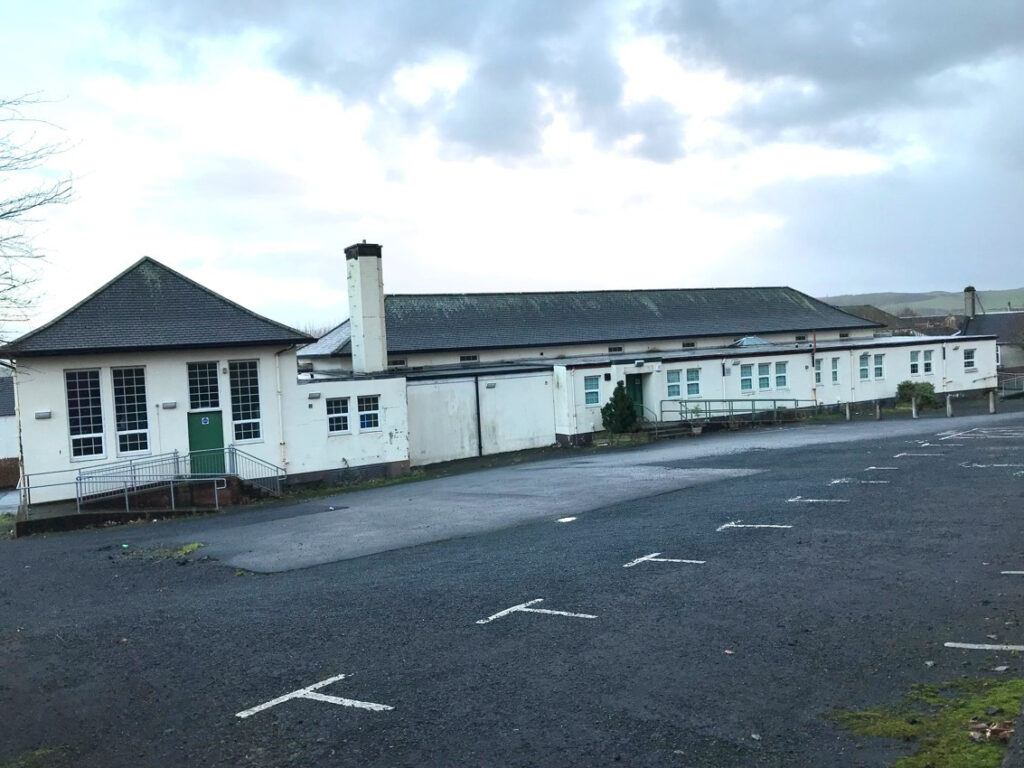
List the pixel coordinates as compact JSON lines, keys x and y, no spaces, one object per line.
{"x":518,"y":50}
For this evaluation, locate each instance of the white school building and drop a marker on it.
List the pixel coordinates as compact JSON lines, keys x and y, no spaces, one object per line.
{"x":155,"y":365}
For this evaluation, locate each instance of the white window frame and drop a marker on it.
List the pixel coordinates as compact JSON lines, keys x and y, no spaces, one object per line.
{"x":194,"y":374}
{"x":693,"y":382}
{"x":142,"y":431}
{"x":368,"y":410}
{"x":591,"y":391}
{"x":970,"y":363}
{"x":94,"y":375}
{"x":781,"y":376}
{"x":746,"y":377}
{"x":927,"y":362}
{"x":341,"y":417}
{"x":764,"y":374}
{"x":243,"y":419}
{"x":673,"y":381}
{"x":864,"y":363}
{"x":878,"y":363}
{"x":817,"y":371}
{"x":915,"y":362}
{"x":835,"y":370}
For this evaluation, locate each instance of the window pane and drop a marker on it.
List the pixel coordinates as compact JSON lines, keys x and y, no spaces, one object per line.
{"x":202,"y":385}
{"x":243,"y":376}
{"x":369,"y":411}
{"x":337,"y":414}
{"x":130,"y":415}
{"x":85,"y":414}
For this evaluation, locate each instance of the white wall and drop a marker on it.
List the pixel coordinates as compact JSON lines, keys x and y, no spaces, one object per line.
{"x":516,"y":413}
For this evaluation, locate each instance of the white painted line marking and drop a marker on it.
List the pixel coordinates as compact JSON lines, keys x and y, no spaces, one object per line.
{"x":653,"y":558}
{"x":565,"y":519}
{"x":1012,"y":573}
{"x":736,"y":524}
{"x":872,"y":469}
{"x":984,"y":647}
{"x":848,"y":480}
{"x":901,"y":455}
{"x":802,"y":500}
{"x":525,"y":608}
{"x":971,"y":465}
{"x":310,"y":693}
{"x":957,"y":434}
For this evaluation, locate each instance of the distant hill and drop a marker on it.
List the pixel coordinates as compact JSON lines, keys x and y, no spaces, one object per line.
{"x":933,"y":303}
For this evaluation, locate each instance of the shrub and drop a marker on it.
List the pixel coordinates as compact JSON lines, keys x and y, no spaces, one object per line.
{"x":922,"y":390}
{"x":619,"y":415}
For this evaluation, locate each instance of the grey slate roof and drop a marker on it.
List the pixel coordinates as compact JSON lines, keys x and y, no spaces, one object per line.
{"x":6,"y":395}
{"x":433,"y":322}
{"x":1007,"y":326}
{"x":151,"y":307}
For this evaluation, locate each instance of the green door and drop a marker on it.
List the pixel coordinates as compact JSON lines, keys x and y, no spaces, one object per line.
{"x":206,"y":442}
{"x":635,"y":388}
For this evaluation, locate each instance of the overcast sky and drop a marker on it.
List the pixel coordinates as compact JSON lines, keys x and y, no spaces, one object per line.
{"x":516,"y":145}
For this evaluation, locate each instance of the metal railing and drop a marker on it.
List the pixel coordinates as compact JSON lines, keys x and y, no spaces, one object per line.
{"x":1011,"y":384}
{"x":701,"y":411}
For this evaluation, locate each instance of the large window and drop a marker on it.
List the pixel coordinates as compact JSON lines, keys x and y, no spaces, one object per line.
{"x":780,"y":375}
{"x":245,"y":399}
{"x":369,"y":411}
{"x":817,"y":371}
{"x":835,"y":370}
{"x":879,"y":366}
{"x":85,"y":412}
{"x":130,"y":414}
{"x":674,"y":389}
{"x":202,"y":385}
{"x":592,"y":390}
{"x":915,"y":362}
{"x":928,"y":361}
{"x":337,"y":415}
{"x":693,"y":382}
{"x":764,"y":375}
{"x":865,"y":366}
{"x":969,"y":359}
{"x":746,"y":378}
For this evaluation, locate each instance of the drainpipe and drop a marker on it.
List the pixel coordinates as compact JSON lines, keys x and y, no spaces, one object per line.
{"x":479,"y":429}
{"x":282,"y":446}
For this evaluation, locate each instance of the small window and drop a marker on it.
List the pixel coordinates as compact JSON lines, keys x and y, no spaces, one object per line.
{"x":817,"y":370}
{"x":844,"y":335}
{"x":915,"y":362}
{"x":969,"y":359}
{"x":202,"y":385}
{"x":865,"y":366}
{"x":337,"y":415}
{"x":130,"y":414}
{"x":764,"y":375}
{"x":693,"y":382}
{"x":928,"y":361}
{"x":689,"y":344}
{"x":780,"y":375}
{"x":468,"y":358}
{"x":245,"y":399}
{"x":85,"y":413}
{"x":369,"y":411}
{"x":592,"y":390}
{"x":614,"y":349}
{"x":800,"y":337}
{"x":879,"y":366}
{"x":673,"y":384}
{"x":396,"y":362}
{"x":835,"y":370}
{"x":746,"y":378}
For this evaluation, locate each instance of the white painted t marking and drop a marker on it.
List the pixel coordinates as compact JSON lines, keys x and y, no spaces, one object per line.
{"x":984,"y":647}
{"x":525,"y":608}
{"x":653,"y":558}
{"x":310,"y":693}
{"x":736,"y":524}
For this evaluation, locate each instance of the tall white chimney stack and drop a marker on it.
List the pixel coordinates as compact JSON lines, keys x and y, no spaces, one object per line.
{"x":970,"y":301}
{"x":366,"y":308}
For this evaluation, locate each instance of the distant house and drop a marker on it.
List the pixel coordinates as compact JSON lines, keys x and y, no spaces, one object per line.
{"x":887,"y":321}
{"x":1008,"y":328}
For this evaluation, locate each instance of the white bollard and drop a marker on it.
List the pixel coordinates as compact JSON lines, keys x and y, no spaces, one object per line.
{"x":949,"y":405}
{"x":913,"y":407}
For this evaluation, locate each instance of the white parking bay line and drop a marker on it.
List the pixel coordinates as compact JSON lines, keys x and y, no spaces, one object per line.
{"x":741,"y":524}
{"x":802,"y":500}
{"x":310,"y":693}
{"x":873,"y":469}
{"x":565,"y":519}
{"x":653,"y":558}
{"x":971,"y":465}
{"x":984,"y":647}
{"x":525,"y":608}
{"x":1012,"y":573}
{"x":848,"y":480}
{"x":901,"y":455}
{"x":957,"y":434}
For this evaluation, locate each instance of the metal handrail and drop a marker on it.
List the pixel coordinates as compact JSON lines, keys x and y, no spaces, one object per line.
{"x":692,"y":410}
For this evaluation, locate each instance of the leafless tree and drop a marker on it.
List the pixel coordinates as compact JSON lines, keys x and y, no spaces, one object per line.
{"x":22,"y":150}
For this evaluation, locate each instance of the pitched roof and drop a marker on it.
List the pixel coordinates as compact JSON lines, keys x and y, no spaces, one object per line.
{"x":1008,"y":326}
{"x":6,"y":395}
{"x":428,"y":322}
{"x":150,"y":307}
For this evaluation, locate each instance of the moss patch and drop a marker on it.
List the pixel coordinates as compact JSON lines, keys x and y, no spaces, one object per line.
{"x":939,"y":719}
{"x":7,"y":526}
{"x":162,"y":553}
{"x":42,"y":758}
